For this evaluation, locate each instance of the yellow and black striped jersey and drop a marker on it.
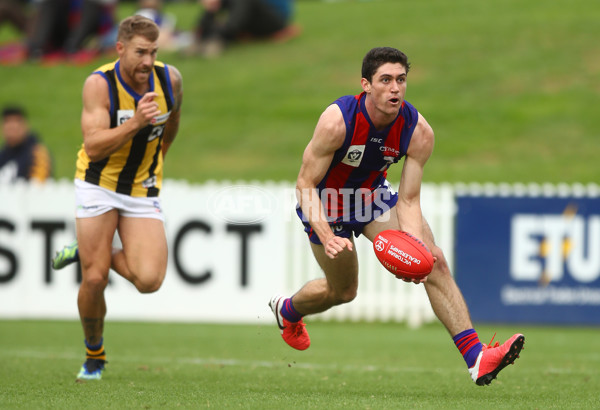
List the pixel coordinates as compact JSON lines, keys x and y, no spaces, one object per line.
{"x":136,"y":168}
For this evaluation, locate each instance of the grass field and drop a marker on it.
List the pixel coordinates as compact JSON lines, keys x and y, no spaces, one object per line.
{"x":349,"y":365}
{"x":510,"y":87}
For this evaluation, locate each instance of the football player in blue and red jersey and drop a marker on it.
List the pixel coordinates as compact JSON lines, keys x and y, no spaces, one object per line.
{"x":342,"y":191}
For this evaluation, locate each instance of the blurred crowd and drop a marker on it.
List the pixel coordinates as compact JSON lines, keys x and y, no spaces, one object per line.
{"x":79,"y":31}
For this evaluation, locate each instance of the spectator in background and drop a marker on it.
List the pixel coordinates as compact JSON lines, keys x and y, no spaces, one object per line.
{"x":15,"y":12}
{"x":96,"y":18}
{"x":169,"y":39}
{"x":226,"y":21}
{"x":22,"y":156}
{"x":62,"y":28}
{"x":153,"y":10}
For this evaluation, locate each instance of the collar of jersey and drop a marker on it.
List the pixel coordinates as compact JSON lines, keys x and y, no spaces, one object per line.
{"x":363,"y":109}
{"x":126,"y":86}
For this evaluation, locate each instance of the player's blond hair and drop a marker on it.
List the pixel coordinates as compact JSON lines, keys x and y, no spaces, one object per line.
{"x":137,"y":26}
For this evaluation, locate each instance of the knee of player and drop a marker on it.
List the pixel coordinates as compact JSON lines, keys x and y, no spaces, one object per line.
{"x":94,"y":281}
{"x":345,"y":296}
{"x":441,"y":264}
{"x":149,"y":285}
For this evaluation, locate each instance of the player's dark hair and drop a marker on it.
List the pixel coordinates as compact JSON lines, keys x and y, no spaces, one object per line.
{"x":137,"y":26}
{"x":379,"y":56}
{"x":13,"y":110}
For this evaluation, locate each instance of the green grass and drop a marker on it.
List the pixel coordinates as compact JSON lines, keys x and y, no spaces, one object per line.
{"x":349,"y":365}
{"x":510,"y":88}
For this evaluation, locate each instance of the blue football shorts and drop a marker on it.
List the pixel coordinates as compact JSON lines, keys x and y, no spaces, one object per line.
{"x":353,"y":220}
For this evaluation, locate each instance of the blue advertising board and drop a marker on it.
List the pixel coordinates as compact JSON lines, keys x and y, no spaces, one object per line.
{"x":529,"y":259}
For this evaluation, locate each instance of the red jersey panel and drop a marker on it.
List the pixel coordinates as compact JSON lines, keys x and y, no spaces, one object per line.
{"x":360,"y":165}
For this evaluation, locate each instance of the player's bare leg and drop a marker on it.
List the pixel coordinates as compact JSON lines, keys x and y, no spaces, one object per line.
{"x":484,"y":362}
{"x":339,"y":285}
{"x":95,"y":236}
{"x":445,"y":297}
{"x":143,"y":259}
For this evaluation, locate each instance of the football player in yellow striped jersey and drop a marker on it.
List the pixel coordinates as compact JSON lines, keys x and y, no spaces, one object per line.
{"x":130,"y":117}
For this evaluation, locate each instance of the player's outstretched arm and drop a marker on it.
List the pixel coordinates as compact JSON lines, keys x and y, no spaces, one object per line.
{"x":410,"y":216}
{"x":328,"y":137}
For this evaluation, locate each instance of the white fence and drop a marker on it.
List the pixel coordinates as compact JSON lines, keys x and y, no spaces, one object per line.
{"x":209,"y":277}
{"x":380,"y":295}
{"x":231,"y":245}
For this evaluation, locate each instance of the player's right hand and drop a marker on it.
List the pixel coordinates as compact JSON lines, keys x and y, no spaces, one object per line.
{"x":409,"y":280}
{"x":335,"y":245}
{"x":415,"y":281}
{"x":147,"y":109}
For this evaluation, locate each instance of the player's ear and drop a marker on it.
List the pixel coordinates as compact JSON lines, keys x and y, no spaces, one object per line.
{"x":366,"y":85}
{"x":120,"y":47}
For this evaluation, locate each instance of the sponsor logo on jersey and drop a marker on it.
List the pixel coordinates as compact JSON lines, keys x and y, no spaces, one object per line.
{"x":149,"y":182}
{"x":161,"y":119}
{"x":124,"y":115}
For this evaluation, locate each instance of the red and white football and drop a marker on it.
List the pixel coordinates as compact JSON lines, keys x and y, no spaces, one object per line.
{"x":403,"y":254}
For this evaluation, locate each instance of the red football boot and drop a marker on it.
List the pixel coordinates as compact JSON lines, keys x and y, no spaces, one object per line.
{"x":293,"y":333}
{"x":494,"y":358}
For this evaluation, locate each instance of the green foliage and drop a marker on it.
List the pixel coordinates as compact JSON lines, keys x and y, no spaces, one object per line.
{"x":510,"y":88}
{"x":349,"y":365}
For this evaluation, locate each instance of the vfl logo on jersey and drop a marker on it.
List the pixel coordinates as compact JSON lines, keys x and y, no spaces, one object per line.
{"x":354,"y":155}
{"x":124,"y":115}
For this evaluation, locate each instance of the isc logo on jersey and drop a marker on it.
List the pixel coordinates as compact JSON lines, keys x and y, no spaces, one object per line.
{"x":545,"y":247}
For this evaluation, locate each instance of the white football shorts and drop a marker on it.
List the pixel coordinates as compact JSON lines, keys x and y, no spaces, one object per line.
{"x":93,"y":200}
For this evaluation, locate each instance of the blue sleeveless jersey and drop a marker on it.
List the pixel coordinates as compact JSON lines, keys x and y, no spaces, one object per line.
{"x":362,"y":161}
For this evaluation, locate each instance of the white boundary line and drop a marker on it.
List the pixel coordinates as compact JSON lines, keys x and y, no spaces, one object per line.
{"x":200,"y":361}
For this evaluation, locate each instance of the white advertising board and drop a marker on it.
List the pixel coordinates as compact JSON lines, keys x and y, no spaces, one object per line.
{"x":226,"y":254}
{"x":231,"y":247}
